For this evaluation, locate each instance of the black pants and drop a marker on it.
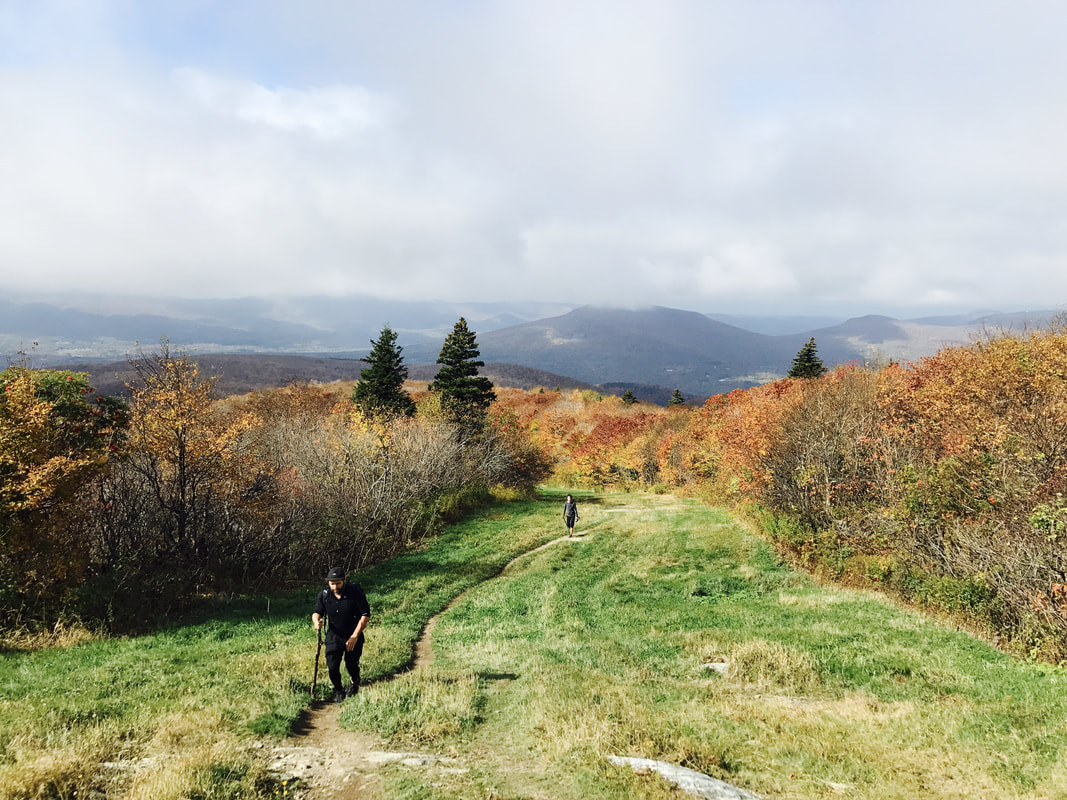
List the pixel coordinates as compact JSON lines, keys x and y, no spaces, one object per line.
{"x":335,"y":653}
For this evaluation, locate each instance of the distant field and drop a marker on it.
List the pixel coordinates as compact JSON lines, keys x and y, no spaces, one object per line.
{"x":587,"y":648}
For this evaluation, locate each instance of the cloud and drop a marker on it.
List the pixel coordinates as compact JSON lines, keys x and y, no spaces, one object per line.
{"x":716,"y":156}
{"x":331,"y":112}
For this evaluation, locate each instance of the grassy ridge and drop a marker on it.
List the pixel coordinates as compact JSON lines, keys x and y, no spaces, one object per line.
{"x":587,"y":648}
{"x":597,"y":647}
{"x":175,"y":710}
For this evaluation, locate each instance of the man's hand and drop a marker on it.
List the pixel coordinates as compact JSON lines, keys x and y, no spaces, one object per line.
{"x":316,"y":622}
{"x":351,"y":642}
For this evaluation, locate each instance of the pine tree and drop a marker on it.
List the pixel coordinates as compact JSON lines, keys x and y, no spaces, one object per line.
{"x":628,"y":398}
{"x":807,"y":363}
{"x":465,"y":395}
{"x":676,"y":399}
{"x":381,"y":385}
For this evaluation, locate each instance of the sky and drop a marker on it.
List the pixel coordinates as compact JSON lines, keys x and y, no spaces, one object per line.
{"x":723,"y":156}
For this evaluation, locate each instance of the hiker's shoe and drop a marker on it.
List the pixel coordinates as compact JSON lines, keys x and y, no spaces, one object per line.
{"x":352,"y":690}
{"x":339,"y":696}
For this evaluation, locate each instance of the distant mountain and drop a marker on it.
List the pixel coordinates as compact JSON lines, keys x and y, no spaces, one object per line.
{"x":60,"y":329}
{"x":876,"y":339}
{"x":650,"y":351}
{"x":977,"y":320}
{"x":655,"y":349}
{"x":657,"y":346}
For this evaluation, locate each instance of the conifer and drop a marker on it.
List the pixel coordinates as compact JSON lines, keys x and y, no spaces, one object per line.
{"x":465,"y":395}
{"x":381,"y":385}
{"x":807,"y":363}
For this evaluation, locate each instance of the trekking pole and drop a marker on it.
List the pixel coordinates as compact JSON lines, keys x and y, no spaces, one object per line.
{"x":315,"y":676}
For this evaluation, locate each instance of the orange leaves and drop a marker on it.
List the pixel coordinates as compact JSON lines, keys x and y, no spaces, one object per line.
{"x":744,"y":425}
{"x":613,"y":442}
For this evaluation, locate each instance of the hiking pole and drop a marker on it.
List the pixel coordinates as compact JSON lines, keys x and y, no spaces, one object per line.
{"x":315,"y":676}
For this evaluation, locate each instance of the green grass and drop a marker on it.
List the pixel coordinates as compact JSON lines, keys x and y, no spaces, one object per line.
{"x":596,"y":647}
{"x":246,"y":670}
{"x":587,"y":648}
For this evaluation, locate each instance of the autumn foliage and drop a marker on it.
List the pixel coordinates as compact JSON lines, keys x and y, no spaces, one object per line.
{"x":55,"y":436}
{"x":120,"y":514}
{"x":942,"y":481}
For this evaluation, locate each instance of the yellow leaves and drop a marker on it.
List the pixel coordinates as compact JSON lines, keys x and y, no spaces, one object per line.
{"x":187,"y":435}
{"x":361,"y":423}
{"x":36,"y":464}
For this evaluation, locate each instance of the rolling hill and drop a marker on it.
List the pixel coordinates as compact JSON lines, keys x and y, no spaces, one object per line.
{"x":253,"y":344}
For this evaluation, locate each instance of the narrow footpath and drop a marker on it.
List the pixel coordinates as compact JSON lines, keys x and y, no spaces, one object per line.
{"x":323,"y":761}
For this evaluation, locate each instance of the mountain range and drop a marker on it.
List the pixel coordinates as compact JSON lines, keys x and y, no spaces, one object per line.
{"x":252,"y":343}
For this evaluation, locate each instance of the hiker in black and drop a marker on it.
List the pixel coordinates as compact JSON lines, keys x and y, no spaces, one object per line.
{"x":347,"y":613}
{"x":570,"y":514}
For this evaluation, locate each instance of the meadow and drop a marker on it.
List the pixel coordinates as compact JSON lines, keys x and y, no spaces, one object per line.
{"x":600,"y":646}
{"x":587,"y":648}
{"x":177,"y":713}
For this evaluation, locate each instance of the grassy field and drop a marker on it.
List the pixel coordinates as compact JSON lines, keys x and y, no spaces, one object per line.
{"x":590,"y":647}
{"x":597,"y":647}
{"x":176,"y":714}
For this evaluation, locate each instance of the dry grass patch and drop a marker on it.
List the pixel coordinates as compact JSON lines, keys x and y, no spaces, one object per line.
{"x":773,"y":664}
{"x":59,"y":637}
{"x":60,"y":772}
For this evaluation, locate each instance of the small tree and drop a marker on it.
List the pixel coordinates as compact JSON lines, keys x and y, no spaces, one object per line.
{"x":676,"y":399}
{"x":381,"y":385}
{"x":187,"y":467}
{"x":465,"y":395}
{"x":628,"y":398}
{"x":807,"y":363}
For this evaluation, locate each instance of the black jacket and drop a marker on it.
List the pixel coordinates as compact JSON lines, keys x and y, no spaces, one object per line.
{"x":343,"y":613}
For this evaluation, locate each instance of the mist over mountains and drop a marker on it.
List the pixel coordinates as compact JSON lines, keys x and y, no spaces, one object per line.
{"x":651,"y":350}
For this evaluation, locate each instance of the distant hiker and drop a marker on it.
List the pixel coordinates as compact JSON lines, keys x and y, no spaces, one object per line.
{"x":347,"y":613}
{"x":570,"y":515}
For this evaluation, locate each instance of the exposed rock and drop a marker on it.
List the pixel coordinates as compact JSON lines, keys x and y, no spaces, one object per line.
{"x":695,"y":783}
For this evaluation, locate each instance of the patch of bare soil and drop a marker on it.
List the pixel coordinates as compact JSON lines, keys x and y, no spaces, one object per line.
{"x":323,"y":761}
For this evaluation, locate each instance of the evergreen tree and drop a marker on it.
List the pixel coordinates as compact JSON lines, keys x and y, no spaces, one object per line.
{"x":628,"y":398}
{"x":465,"y":395}
{"x":381,"y":385}
{"x":676,"y":399}
{"x":807,"y":363}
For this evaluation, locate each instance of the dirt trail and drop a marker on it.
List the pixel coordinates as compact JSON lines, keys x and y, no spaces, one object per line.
{"x":329,"y":762}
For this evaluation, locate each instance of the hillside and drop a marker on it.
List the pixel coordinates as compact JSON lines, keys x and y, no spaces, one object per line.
{"x":650,"y":351}
{"x":242,"y":373}
{"x":663,"y":631}
{"x":657,"y":346}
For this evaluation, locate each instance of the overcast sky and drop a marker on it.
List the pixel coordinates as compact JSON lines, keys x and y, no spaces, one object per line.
{"x":749,"y":156}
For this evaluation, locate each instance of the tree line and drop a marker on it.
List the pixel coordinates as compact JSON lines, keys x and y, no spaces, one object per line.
{"x":111,"y":506}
